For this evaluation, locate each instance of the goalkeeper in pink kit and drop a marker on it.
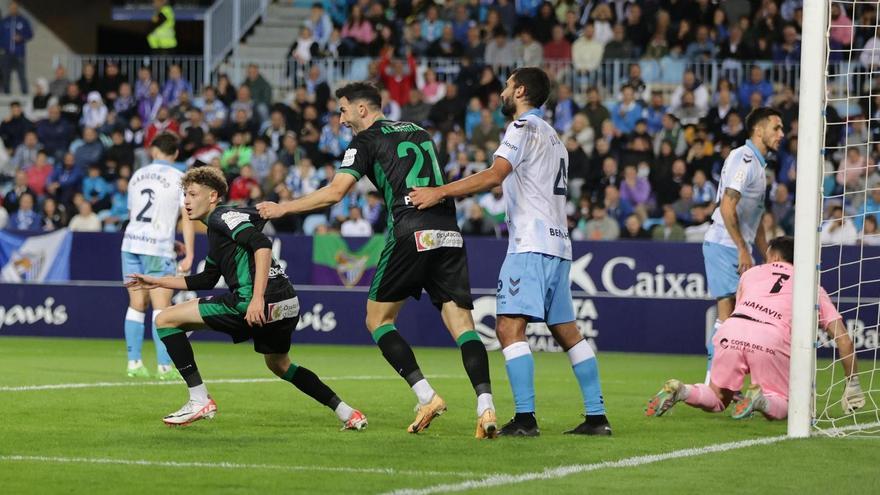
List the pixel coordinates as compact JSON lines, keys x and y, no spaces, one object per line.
{"x":756,"y":340}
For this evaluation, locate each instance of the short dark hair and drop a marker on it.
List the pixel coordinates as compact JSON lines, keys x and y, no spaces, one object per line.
{"x":784,"y":246}
{"x":536,"y":82}
{"x":208,"y":177}
{"x":361,"y":90}
{"x":758,"y":115}
{"x":166,"y":142}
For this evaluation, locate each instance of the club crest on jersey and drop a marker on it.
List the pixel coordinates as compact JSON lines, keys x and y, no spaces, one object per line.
{"x":288,"y":308}
{"x":234,"y":218}
{"x":348,"y":159}
{"x":427,"y":240}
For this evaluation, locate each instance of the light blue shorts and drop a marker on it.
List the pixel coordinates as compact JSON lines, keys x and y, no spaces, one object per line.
{"x":537,"y":286}
{"x":156,"y":266}
{"x":722,"y":269}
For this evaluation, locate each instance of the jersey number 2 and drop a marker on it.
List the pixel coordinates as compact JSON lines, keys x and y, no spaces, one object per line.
{"x":560,"y":185}
{"x":419,"y":151}
{"x":142,"y":215}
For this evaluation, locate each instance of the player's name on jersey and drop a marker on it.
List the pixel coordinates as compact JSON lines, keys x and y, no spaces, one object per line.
{"x":404,"y":127}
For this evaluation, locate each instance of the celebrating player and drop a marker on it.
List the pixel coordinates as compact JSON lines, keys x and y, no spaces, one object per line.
{"x":261,"y":305}
{"x":424,"y":248}
{"x":155,"y":199}
{"x":531,"y":165}
{"x":756,"y":340}
{"x":736,"y":224}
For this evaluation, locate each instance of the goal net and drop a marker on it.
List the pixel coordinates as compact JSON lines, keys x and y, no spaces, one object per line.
{"x":849,"y":211}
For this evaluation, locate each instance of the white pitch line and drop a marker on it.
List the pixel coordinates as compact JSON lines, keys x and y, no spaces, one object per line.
{"x":63,"y":386}
{"x":563,"y":471}
{"x":226,"y":465}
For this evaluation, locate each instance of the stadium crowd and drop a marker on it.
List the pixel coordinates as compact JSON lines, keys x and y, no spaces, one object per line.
{"x":643,"y":162}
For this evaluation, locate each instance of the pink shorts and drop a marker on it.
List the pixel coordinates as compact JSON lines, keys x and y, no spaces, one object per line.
{"x":748,"y":347}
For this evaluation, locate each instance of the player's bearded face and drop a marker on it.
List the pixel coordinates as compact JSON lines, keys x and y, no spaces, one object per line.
{"x":508,"y":107}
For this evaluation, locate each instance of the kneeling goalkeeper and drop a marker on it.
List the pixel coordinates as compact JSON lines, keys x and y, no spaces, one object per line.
{"x":261,"y":305}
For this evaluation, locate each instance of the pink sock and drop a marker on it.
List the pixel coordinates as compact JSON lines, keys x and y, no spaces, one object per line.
{"x":777,"y":406}
{"x":701,"y":396}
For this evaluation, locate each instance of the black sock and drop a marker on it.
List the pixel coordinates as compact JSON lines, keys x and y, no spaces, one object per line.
{"x":309,"y":383}
{"x":596,"y":419}
{"x":400,"y":356}
{"x":181,"y":353}
{"x":526,"y":419}
{"x":476,"y":364}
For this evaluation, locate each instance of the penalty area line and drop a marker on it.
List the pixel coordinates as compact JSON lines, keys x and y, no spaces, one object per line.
{"x":227,"y":465}
{"x":135,"y":383}
{"x":563,"y":471}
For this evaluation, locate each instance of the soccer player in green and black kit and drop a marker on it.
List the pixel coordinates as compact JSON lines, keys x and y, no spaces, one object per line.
{"x":424,"y":248}
{"x":261,"y":305}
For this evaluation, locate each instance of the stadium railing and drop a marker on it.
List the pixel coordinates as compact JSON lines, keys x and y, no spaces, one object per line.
{"x":225,"y":24}
{"x":192,"y":66}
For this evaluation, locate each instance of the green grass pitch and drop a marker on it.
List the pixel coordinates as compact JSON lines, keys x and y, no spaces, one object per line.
{"x":269,"y":438}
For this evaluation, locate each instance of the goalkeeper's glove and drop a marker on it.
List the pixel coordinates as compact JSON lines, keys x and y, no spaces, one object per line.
{"x":853,"y":398}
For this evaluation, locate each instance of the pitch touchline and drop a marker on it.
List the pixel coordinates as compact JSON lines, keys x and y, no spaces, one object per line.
{"x":563,"y":471}
{"x":62,"y":386}
{"x":225,"y":465}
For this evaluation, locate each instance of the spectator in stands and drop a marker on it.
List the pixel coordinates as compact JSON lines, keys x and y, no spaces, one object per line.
{"x":668,"y":185}
{"x":40,"y":100}
{"x":120,"y":152}
{"x":335,"y":138}
{"x":95,"y":189}
{"x":587,"y":52}
{"x":756,"y":83}
{"x":432,"y":25}
{"x":475,"y":47}
{"x":690,"y":83}
{"x":55,"y":133}
{"x":108,"y":84}
{"x":320,"y":24}
{"x":595,"y":111}
{"x":275,"y":130}
{"x":142,"y":85}
{"x":290,"y":154}
{"x":356,"y":225}
{"x":357,"y":33}
{"x":163,"y":122}
{"x":38,"y":173}
{"x":243,"y":102}
{"x":88,"y":81}
{"x":260,"y":89}
{"x":449,"y":111}
{"x":602,"y":20}
{"x":125,"y":104}
{"x":789,"y":49}
{"x":654,"y":113}
{"x":494,"y":205}
{"x":317,"y":87}
{"x":446,"y":46}
{"x":148,"y":107}
{"x":412,"y":41}
{"x":475,"y":222}
{"x":237,"y":155}
{"x":633,"y":231}
{"x":15,"y":32}
{"x":841,"y":26}
{"x":303,"y":178}
{"x":417,"y":109}
{"x":214,"y":109}
{"x":852,"y":170}
{"x":564,"y":110}
{"x":658,"y":45}
{"x":26,"y":153}
{"x":838,"y":230}
{"x":702,"y":49}
{"x":94,"y":112}
{"x":684,"y":204}
{"x":559,"y":48}
{"x":619,"y":48}
{"x":88,"y":149}
{"x":616,"y":206}
{"x":86,"y":220}
{"x":14,"y":126}
{"x":305,"y":47}
{"x":71,"y":105}
{"x":581,"y":132}
{"x":19,"y":188}
{"x":704,"y":190}
{"x":671,"y":132}
{"x":58,"y":86}
{"x":734,"y":48}
{"x":634,"y":189}
{"x":699,"y":224}
{"x":870,"y":235}
{"x":25,"y":218}
{"x":670,"y":229}
{"x":531,"y":54}
{"x":626,"y":112}
{"x":599,"y":228}
{"x":397,"y":78}
{"x":240,"y":187}
{"x":262,"y":158}
{"x":500,"y":52}
{"x":54,"y":216}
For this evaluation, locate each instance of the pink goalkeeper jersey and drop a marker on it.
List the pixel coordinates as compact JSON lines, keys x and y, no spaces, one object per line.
{"x":765,"y":294}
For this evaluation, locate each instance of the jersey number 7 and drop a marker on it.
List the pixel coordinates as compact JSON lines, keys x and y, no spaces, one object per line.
{"x":419,"y":151}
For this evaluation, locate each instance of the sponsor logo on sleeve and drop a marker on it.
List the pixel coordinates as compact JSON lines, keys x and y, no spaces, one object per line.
{"x":234,"y":218}
{"x":348,"y":159}
{"x":427,"y":240}
{"x":509,"y":145}
{"x":740,"y":176}
{"x":281,"y":310}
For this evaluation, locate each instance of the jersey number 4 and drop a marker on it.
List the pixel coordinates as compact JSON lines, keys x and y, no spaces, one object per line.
{"x":419,"y":151}
{"x":560,"y":185}
{"x":142,"y":215}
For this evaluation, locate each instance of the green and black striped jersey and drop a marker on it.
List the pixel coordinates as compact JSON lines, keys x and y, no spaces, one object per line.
{"x":229,"y":254}
{"x":396,"y":157}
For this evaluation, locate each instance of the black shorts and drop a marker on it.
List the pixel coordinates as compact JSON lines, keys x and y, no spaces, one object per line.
{"x":407,"y":266}
{"x":226,"y":314}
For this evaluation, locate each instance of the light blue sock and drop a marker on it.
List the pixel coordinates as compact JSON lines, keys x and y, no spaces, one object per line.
{"x":162,"y":357}
{"x":586,"y":370}
{"x":521,"y":373}
{"x":134,"y":333}
{"x":710,"y":349}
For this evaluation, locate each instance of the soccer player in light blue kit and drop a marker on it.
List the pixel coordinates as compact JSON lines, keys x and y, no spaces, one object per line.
{"x":736,"y":224}
{"x":531,"y":165}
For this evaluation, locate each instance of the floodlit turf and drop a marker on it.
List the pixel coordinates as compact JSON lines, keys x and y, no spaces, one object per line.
{"x":293,"y":445}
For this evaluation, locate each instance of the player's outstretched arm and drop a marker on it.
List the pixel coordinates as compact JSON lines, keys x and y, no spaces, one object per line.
{"x":426,"y":197}
{"x":328,"y":195}
{"x":145,"y":282}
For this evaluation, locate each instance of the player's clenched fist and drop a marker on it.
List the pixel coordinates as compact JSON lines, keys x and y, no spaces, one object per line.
{"x":269,"y":209}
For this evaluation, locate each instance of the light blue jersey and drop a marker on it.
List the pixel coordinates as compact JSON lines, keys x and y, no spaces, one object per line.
{"x":743,"y":172}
